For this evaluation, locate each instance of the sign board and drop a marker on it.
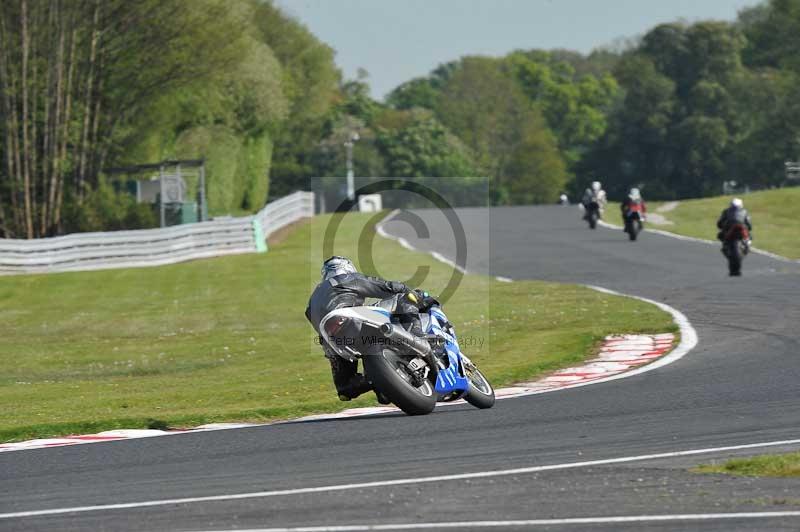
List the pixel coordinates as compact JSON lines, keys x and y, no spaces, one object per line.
{"x":149,"y":190}
{"x":370,"y":203}
{"x":792,"y":169}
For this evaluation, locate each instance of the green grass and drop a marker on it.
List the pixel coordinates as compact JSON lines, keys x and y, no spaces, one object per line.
{"x":776,"y":219}
{"x":779,"y":465}
{"x":226,"y":339}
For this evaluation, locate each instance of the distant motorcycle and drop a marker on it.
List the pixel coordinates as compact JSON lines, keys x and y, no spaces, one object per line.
{"x":592,"y":213}
{"x":411,"y":371}
{"x":634,"y":220}
{"x":735,"y":245}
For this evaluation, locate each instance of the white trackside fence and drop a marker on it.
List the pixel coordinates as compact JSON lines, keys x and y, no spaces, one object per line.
{"x":153,"y":247}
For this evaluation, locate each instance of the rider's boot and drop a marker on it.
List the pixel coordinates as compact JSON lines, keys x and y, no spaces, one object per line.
{"x":382,"y":399}
{"x":349,"y":383}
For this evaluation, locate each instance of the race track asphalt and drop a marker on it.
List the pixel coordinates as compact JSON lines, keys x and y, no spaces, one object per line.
{"x":740,"y":385}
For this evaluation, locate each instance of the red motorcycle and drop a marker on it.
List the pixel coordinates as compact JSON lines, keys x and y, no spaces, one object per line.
{"x":735,"y":245}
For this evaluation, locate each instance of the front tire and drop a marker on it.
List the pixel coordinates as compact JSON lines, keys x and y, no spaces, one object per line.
{"x":636,"y":226}
{"x":387,"y":372}
{"x":481,"y":393}
{"x":593,"y":221}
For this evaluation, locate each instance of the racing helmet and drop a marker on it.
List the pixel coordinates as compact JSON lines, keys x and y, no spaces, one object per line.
{"x":336,"y":265}
{"x":634,"y":194}
{"x":596,"y":186}
{"x":737,"y":203}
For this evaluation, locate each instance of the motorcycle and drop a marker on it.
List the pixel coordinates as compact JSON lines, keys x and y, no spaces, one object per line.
{"x":735,"y":245}
{"x":634,"y":220}
{"x":410,"y":371}
{"x":592,"y":213}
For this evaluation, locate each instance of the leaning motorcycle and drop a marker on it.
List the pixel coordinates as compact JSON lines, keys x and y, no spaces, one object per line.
{"x":412,"y":372}
{"x":735,"y":245}
{"x":592,"y":213}
{"x":634,"y":221}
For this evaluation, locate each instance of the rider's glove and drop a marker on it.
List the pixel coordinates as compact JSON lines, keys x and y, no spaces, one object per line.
{"x":424,"y":300}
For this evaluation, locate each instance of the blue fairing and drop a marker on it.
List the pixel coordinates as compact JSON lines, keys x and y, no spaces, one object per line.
{"x":450,"y":379}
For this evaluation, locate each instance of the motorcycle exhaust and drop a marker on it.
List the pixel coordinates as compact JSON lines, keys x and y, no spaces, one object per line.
{"x":402,"y":336}
{"x":420,"y":346}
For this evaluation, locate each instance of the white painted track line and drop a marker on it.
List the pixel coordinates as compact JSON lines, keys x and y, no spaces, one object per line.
{"x":533,"y":522}
{"x":617,"y":355}
{"x":689,"y":337}
{"x":687,"y":343}
{"x":395,"y":482}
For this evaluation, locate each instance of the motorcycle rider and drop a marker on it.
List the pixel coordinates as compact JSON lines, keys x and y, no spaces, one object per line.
{"x":634,"y":199}
{"x":594,"y":193}
{"x":343,"y":286}
{"x":734,"y":214}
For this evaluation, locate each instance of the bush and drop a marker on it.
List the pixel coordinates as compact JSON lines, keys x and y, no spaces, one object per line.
{"x":104,"y":209}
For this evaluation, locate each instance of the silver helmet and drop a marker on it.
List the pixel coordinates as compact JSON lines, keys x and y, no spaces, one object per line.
{"x":337,"y":265}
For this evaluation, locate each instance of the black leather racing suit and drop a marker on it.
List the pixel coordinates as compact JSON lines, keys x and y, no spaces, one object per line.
{"x":350,"y":290}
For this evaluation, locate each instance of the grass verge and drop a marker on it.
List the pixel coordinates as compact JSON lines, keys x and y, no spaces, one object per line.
{"x":774,"y":213}
{"x":226,"y":339}
{"x":777,"y":465}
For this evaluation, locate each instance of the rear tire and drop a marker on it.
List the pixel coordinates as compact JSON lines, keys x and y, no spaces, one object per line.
{"x":385,"y":370}
{"x":734,"y":258}
{"x":481,"y":392}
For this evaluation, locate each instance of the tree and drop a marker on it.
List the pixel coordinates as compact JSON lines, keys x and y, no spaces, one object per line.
{"x":483,"y":105}
{"x":575,"y":107}
{"x":678,"y":126}
{"x":311,"y":82}
{"x":424,"y":148}
{"x":73,"y":75}
{"x":773,"y":35}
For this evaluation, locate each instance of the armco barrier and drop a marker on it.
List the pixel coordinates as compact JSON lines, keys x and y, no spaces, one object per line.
{"x":153,"y":247}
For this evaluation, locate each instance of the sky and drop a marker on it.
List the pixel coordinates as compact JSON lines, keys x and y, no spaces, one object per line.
{"x":397,"y":40}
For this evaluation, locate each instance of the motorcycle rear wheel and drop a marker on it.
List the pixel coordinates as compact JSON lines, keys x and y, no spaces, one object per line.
{"x":734,"y":258}
{"x":387,"y":372}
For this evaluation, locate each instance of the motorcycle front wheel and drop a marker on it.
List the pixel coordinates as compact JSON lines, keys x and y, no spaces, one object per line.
{"x":481,"y":393}
{"x":635,"y":228}
{"x":389,"y":374}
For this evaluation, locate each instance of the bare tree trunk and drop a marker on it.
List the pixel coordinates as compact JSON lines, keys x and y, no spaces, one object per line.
{"x":8,"y":110}
{"x":48,"y":98}
{"x":35,"y":18}
{"x":15,"y":172}
{"x":56,"y":125}
{"x":87,"y":111}
{"x":65,"y":132}
{"x":93,"y":169}
{"x":26,"y":171}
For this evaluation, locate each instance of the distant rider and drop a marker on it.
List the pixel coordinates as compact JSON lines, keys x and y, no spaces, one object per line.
{"x":730,"y":217}
{"x":634,"y":202}
{"x":563,"y":199}
{"x":342,"y":286}
{"x":596,"y":194}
